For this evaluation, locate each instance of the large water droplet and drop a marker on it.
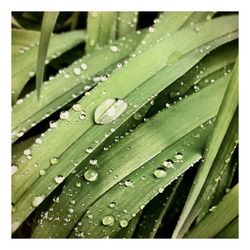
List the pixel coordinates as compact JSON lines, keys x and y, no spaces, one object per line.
{"x":27,"y":152}
{"x":91,"y":175}
{"x":123,"y":222}
{"x":89,"y":150}
{"x":59,"y":179}
{"x":108,"y":220}
{"x":38,"y":200}
{"x":77,"y":107}
{"x":168,"y":164}
{"x":84,"y":66}
{"x":93,"y":162}
{"x":77,"y":71}
{"x":112,"y":204}
{"x":178,"y":156}
{"x":109,"y":110}
{"x":64,"y":115}
{"x":128,"y":183}
{"x":54,"y":160}
{"x":160,"y":172}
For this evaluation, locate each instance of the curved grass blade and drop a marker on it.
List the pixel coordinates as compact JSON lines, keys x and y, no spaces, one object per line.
{"x":230,"y":231}
{"x":24,"y":64}
{"x":83,"y":140}
{"x":227,"y":109}
{"x":222,"y":168}
{"x":126,"y":23}
{"x":111,"y":171}
{"x":213,"y":223}
{"x":49,"y":21}
{"x":100,"y":29}
{"x":154,"y":212}
{"x":67,"y":85}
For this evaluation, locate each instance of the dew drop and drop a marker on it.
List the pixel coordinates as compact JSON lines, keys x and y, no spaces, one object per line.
{"x":108,"y":220}
{"x":53,"y":124}
{"x":168,"y":164}
{"x":19,"y":101}
{"x":77,"y":71}
{"x":42,"y":172}
{"x":93,"y":162}
{"x":84,"y":66}
{"x":112,"y":204}
{"x":31,"y":74}
{"x":64,"y":115}
{"x":38,"y":200}
{"x":151,"y":29}
{"x":78,"y":184}
{"x":27,"y":152}
{"x":178,"y":156}
{"x":160,"y":173}
{"x":89,"y":150}
{"x":128,"y":183}
{"x":114,"y":48}
{"x":38,"y":140}
{"x":160,"y":190}
{"x":82,"y":115}
{"x":77,"y":107}
{"x":66,"y":76}
{"x":54,"y":160}
{"x":91,"y":175}
{"x":123,"y":222}
{"x":59,"y":179}
{"x":109,"y":110}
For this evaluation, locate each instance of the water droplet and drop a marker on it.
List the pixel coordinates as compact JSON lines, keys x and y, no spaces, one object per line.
{"x":160,"y":173}
{"x":109,"y":110}
{"x":66,"y":76}
{"x":142,"y":206}
{"x":212,"y":209}
{"x":137,"y":116}
{"x":174,"y":57}
{"x":84,"y":66}
{"x":42,"y":172}
{"x":108,"y":220}
{"x":151,"y":29}
{"x":27,"y":152}
{"x":82,"y":115}
{"x":91,"y":175}
{"x":178,"y":156}
{"x":54,"y":160}
{"x":161,"y":189}
{"x":38,"y":200}
{"x":123,"y":222}
{"x":89,"y":150}
{"x":77,"y":71}
{"x":93,"y":162}
{"x":19,"y":101}
{"x":77,"y":107}
{"x":31,"y":74}
{"x":59,"y":179}
{"x":53,"y":124}
{"x":64,"y":115}
{"x":112,"y":204}
{"x":128,"y":183}
{"x":71,"y":210}
{"x":78,"y":184}
{"x":168,"y":164}
{"x":38,"y":140}
{"x":114,"y":48}
{"x":14,"y":168}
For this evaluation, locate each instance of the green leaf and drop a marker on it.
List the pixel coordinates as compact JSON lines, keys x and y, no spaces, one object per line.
{"x":100,"y":29}
{"x":230,"y":231}
{"x":112,"y":171}
{"x":49,"y":20}
{"x":79,"y":136}
{"x":67,"y":85}
{"x":227,"y":109}
{"x":213,"y":223}
{"x":24,"y":64}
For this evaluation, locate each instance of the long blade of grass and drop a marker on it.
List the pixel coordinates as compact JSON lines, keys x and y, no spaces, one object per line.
{"x":230,"y":231}
{"x":77,"y":134}
{"x":100,"y":28}
{"x":126,"y":23}
{"x":49,"y":21}
{"x":213,"y":223}
{"x":150,"y":134}
{"x":27,"y":56}
{"x":225,"y":115}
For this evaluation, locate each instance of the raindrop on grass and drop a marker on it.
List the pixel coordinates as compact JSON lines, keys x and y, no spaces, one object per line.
{"x":27,"y":152}
{"x":93,"y":162}
{"x":114,"y":48}
{"x":160,"y":173}
{"x":38,"y":140}
{"x":161,"y":189}
{"x":78,"y":184}
{"x":123,"y":222}
{"x":38,"y":200}
{"x":109,"y":110}
{"x":168,"y":164}
{"x":59,"y":179}
{"x":84,"y":66}
{"x":53,"y":124}
{"x":178,"y":156}
{"x":108,"y":220}
{"x":77,"y":71}
{"x":64,"y":115}
{"x":128,"y":183}
{"x":112,"y":204}
{"x":54,"y":160}
{"x":91,"y":175}
{"x":89,"y":150}
{"x":42,"y":172}
{"x":77,"y":107}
